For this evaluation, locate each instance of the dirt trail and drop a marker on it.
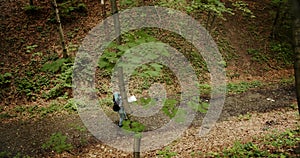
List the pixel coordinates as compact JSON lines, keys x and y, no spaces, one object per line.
{"x":266,"y":104}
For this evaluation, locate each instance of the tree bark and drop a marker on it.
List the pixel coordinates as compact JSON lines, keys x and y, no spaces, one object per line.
{"x":274,"y":26}
{"x":296,"y":36}
{"x":114,"y":9}
{"x":137,"y":146}
{"x":61,"y":33}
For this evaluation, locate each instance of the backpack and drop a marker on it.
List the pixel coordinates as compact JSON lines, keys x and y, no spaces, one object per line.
{"x":116,"y":106}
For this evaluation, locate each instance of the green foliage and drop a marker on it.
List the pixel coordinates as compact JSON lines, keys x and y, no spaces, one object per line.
{"x":70,"y":105}
{"x":288,"y":138}
{"x":6,"y":154}
{"x":166,"y":153}
{"x":278,"y":2}
{"x":146,"y":102}
{"x":41,"y":111}
{"x":113,"y":53}
{"x":174,"y":4}
{"x":29,"y":49}
{"x":245,"y":117}
{"x":62,"y":82}
{"x":273,"y":145}
{"x":204,"y":89}
{"x":55,"y":66}
{"x":169,"y":107}
{"x":242,"y":86}
{"x":283,"y":53}
{"x":31,"y":9}
{"x":133,"y":126}
{"x":243,"y":6}
{"x":68,"y":9}
{"x":5,"y":79}
{"x":57,"y":142}
{"x":215,"y":6}
{"x":31,"y":84}
{"x":53,"y":107}
{"x":245,"y":150}
{"x":128,"y":3}
{"x":6,"y":115}
{"x":257,"y":56}
{"x":71,"y":6}
{"x":202,"y":107}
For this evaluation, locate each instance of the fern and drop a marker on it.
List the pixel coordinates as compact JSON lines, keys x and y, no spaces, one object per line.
{"x":55,"y":66}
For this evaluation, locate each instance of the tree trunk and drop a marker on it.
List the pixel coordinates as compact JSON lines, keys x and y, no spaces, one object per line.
{"x":274,"y":26}
{"x":114,"y":9}
{"x":296,"y":35}
{"x":61,"y":33}
{"x":137,"y":146}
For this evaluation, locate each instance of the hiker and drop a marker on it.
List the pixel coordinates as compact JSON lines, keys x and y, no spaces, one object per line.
{"x":118,"y":107}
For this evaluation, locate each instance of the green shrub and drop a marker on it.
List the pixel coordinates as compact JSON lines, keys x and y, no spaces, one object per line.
{"x":55,"y":66}
{"x":31,"y":9}
{"x":5,"y":79}
{"x":57,"y":142}
{"x":62,"y":82}
{"x":169,"y":107}
{"x":166,"y":153}
{"x":283,"y":53}
{"x":133,"y":126}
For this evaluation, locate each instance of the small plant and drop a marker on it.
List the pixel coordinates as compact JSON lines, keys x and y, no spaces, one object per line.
{"x":69,"y":8}
{"x":5,"y":79}
{"x":31,"y":9}
{"x":288,"y":138}
{"x":55,"y":66}
{"x":273,"y":145}
{"x":169,"y":107}
{"x":53,"y":107}
{"x":146,"y":102}
{"x":242,"y":86}
{"x":283,"y":53}
{"x":204,"y":89}
{"x":166,"y":153}
{"x":63,"y":82}
{"x":245,"y":150}
{"x":6,"y":115}
{"x":257,"y":56}
{"x":29,"y":49}
{"x":133,"y":126}
{"x":242,"y":6}
{"x":245,"y":117}
{"x":70,"y":105}
{"x":57,"y":142}
{"x":203,"y":107}
{"x":31,"y":84}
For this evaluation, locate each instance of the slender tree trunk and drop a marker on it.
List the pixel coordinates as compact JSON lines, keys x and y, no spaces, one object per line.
{"x":114,"y":9}
{"x":137,"y":145}
{"x":296,"y":35}
{"x":274,"y":26}
{"x":61,"y":33}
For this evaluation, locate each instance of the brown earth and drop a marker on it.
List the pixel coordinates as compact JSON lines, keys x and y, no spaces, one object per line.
{"x":26,"y":136}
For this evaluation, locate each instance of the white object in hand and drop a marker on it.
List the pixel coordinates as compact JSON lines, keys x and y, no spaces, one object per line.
{"x":132,"y":99}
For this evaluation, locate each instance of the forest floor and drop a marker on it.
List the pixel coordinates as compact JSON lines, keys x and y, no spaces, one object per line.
{"x":251,"y":114}
{"x":247,"y":115}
